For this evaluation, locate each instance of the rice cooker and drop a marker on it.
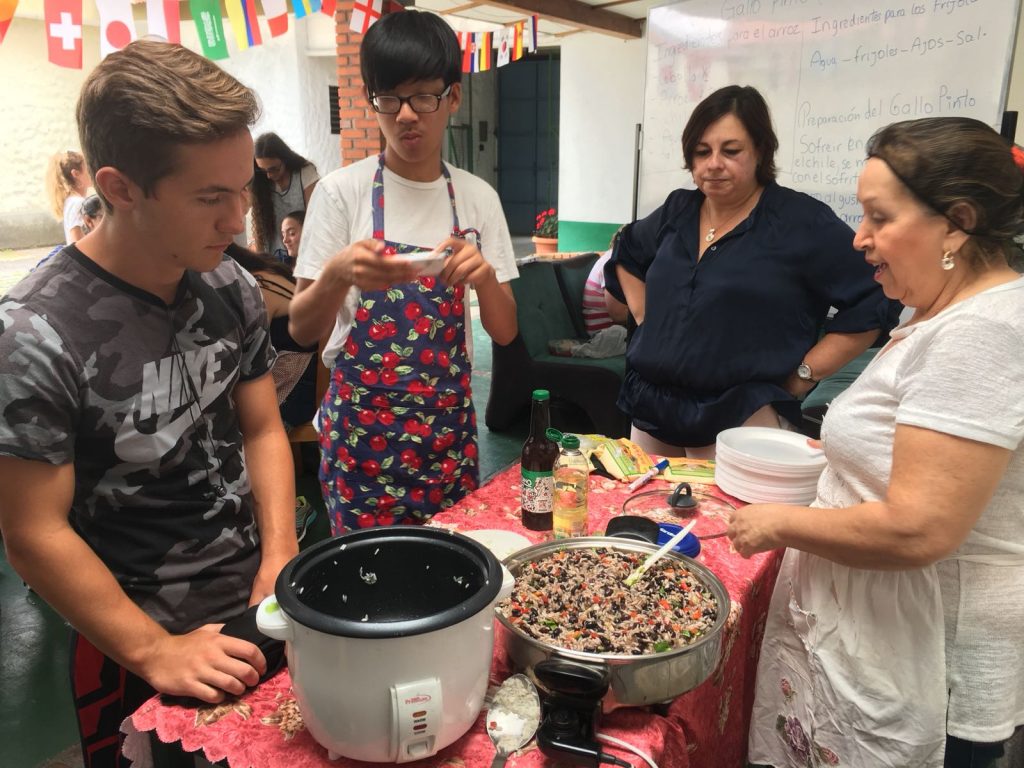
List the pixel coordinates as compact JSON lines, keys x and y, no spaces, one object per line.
{"x":389,"y":637}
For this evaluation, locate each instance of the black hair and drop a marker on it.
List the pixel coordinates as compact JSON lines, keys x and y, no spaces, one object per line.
{"x":407,"y":46}
{"x":299,"y":216}
{"x":254,"y":262}
{"x":273,"y":146}
{"x":92,"y":206}
{"x":947,"y":163}
{"x":751,"y":110}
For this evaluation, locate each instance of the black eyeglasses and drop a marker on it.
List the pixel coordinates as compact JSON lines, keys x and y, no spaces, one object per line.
{"x":420,"y":103}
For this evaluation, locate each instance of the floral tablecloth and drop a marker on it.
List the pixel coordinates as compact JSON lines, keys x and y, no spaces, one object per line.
{"x":705,"y":727}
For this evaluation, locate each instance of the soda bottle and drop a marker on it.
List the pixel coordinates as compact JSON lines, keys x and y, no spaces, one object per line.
{"x":572,"y":475}
{"x":538,"y":462}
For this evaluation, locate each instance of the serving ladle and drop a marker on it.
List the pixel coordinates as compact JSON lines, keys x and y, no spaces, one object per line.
{"x":513,"y":717}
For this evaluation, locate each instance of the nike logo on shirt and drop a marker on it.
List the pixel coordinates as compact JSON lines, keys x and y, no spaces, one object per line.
{"x":167,"y":406}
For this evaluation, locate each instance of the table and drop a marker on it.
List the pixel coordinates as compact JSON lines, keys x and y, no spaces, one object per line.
{"x":705,"y":727}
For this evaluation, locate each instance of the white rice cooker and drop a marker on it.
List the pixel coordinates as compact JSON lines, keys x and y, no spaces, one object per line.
{"x":389,"y":634}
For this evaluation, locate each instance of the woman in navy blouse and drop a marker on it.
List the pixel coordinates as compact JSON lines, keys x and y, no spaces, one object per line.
{"x":730,"y":286}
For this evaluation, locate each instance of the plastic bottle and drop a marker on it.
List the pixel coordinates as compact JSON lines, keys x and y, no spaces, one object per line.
{"x":572,"y":478}
{"x":538,"y":463}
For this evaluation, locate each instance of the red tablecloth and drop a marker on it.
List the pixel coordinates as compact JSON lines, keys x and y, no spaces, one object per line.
{"x":705,"y":727}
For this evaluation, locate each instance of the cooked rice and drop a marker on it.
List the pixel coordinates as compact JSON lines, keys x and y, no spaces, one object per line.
{"x":576,"y":599}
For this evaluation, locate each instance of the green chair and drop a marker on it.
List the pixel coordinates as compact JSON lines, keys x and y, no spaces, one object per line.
{"x":549,"y":298}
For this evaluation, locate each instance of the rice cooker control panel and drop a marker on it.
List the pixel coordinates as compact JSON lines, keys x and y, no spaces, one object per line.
{"x":415,"y":719}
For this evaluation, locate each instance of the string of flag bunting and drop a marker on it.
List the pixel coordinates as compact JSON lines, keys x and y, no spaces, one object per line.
{"x":63,"y":24}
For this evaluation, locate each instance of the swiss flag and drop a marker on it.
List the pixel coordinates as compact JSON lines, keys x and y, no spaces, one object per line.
{"x":64,"y":32}
{"x":117,"y":27}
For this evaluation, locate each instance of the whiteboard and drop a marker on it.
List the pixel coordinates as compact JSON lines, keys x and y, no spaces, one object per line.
{"x":832,"y":72}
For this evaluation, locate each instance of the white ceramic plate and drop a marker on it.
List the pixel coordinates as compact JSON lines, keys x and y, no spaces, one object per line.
{"x":501,"y":543}
{"x":428,"y":263}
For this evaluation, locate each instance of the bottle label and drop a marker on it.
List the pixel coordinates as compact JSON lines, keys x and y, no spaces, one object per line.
{"x":536,"y":492}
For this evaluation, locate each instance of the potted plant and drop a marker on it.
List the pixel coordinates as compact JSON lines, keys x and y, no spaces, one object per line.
{"x":545,"y":231}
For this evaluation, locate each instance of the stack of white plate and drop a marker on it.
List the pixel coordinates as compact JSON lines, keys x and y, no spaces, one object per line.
{"x":760,"y":464}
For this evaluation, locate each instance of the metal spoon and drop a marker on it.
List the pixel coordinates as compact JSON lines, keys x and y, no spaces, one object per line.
{"x":513,"y":717}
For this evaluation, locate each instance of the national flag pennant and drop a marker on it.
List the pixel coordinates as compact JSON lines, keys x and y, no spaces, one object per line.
{"x":530,"y":34}
{"x":276,"y":13}
{"x":163,"y":19}
{"x":364,"y":13}
{"x":6,"y":14}
{"x":242,"y":15}
{"x":206,"y":14}
{"x":517,"y":41}
{"x":64,"y":32}
{"x":305,"y":7}
{"x":483,"y":51}
{"x":117,"y":26}
{"x":328,"y":7}
{"x":504,"y":38}
{"x":466,"y":44}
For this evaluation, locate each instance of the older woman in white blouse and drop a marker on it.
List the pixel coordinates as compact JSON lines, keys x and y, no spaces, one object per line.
{"x":896,"y":631}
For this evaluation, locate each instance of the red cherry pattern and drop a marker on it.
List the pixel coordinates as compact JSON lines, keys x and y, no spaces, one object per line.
{"x":405,"y":448}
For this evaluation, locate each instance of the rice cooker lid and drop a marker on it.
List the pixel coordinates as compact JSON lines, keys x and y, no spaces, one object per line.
{"x":389,"y":582}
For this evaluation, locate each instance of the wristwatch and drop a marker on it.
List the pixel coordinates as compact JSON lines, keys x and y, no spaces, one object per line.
{"x":804,"y":372}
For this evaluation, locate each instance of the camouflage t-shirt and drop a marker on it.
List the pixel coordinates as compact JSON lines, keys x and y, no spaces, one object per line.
{"x":138,"y":395}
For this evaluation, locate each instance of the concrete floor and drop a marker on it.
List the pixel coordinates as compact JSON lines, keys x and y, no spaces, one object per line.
{"x":37,"y":728}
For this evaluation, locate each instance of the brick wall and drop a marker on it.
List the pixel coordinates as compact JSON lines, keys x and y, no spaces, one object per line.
{"x":360,"y":136}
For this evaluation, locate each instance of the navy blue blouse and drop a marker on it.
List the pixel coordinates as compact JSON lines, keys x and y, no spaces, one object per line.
{"x":723,"y":333}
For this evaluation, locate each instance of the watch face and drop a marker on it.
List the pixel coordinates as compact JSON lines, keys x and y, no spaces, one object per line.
{"x":804,"y":371}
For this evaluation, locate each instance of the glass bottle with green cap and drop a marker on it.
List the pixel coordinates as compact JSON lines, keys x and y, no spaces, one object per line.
{"x":537,"y":466}
{"x":572,"y":479}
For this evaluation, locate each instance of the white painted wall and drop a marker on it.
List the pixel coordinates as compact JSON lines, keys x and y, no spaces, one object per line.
{"x":290,"y":74}
{"x":601,"y":103}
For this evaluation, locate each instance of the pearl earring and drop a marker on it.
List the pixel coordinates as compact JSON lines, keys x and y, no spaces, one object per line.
{"x":947,"y":261}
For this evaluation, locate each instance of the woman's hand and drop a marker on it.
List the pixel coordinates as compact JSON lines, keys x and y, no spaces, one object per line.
{"x":751,"y":529}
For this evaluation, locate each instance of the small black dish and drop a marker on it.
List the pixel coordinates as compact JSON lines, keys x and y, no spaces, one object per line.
{"x":633,"y":527}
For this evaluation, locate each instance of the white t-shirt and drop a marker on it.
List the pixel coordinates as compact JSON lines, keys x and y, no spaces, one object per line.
{"x":340,"y":212}
{"x":72,"y":215}
{"x":863,"y":659}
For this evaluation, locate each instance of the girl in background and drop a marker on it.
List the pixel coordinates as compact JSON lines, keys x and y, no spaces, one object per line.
{"x":291,"y":234}
{"x":283,"y":182}
{"x":67,"y":181}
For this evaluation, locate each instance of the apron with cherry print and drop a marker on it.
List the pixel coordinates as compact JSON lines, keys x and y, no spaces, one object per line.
{"x":398,"y":429}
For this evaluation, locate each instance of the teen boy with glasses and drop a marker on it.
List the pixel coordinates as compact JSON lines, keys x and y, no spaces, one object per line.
{"x":398,"y":431}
